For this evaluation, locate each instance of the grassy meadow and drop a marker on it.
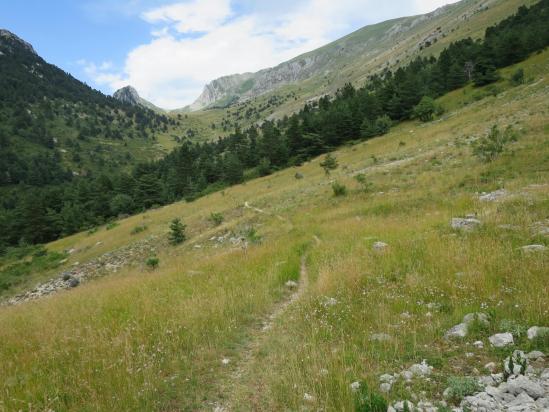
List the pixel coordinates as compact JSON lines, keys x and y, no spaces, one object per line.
{"x":181,"y":337}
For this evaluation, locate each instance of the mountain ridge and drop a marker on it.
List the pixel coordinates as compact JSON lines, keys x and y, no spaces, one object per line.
{"x":358,"y":55}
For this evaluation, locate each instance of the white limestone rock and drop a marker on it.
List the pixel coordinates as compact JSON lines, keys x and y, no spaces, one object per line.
{"x":500,"y":340}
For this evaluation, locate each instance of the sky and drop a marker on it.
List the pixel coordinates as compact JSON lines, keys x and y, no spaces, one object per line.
{"x":169,"y":49}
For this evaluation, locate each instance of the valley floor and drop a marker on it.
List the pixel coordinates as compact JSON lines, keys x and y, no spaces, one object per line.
{"x":221,"y":325}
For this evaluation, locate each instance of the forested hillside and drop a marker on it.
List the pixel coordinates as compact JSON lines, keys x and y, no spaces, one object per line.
{"x":71,"y":204}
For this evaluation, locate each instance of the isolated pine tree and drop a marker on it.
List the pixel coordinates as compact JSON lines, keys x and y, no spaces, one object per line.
{"x":177,"y":232}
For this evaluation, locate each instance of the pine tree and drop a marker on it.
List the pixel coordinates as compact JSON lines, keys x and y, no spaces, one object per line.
{"x":177,"y":232}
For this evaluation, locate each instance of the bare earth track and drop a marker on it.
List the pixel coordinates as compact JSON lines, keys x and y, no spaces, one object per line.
{"x":257,"y":339}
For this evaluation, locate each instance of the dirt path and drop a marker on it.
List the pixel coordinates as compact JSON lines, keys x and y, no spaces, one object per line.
{"x":260,"y":211}
{"x":257,"y":340}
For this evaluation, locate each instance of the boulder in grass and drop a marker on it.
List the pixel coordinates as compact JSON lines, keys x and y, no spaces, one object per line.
{"x":379,"y":246}
{"x":533,"y":248}
{"x":537,"y":331}
{"x":500,"y":340}
{"x":465,"y":223}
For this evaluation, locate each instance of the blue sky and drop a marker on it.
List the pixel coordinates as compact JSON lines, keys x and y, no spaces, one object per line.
{"x":168,"y":50}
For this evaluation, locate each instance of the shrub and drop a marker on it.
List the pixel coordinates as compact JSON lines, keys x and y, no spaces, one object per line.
{"x":514,"y":327}
{"x":339,"y":189}
{"x":365,"y":186}
{"x":425,"y":109}
{"x":138,"y":229}
{"x":253,"y":236}
{"x":216,"y":218}
{"x":112,"y":225}
{"x":462,"y":386}
{"x":490,"y":147}
{"x":367,"y":401}
{"x":177,"y":232}
{"x":152,"y":262}
{"x":329,"y":163}
{"x":377,"y":127}
{"x":518,"y":77}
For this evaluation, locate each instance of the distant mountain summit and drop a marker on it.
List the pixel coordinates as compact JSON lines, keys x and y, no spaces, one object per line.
{"x":10,"y":40}
{"x":129,"y":95}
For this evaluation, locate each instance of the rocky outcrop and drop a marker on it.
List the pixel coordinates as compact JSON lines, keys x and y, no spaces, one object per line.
{"x":219,"y":89}
{"x":8,"y":39}
{"x":129,"y":95}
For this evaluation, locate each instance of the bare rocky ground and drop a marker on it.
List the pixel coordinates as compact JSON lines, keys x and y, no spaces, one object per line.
{"x":108,"y":263}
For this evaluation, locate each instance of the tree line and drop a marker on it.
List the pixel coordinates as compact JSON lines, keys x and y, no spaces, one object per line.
{"x":35,"y":215}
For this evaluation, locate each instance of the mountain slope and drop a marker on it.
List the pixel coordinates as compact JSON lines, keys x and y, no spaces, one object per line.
{"x":183,"y":336}
{"x":47,"y":113}
{"x":365,"y":52}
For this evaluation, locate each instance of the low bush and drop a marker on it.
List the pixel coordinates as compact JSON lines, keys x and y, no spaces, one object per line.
{"x":339,"y":189}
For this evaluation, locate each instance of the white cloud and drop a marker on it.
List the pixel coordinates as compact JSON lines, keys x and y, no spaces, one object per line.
{"x":197,"y":41}
{"x":426,"y":6}
{"x":194,"y":16}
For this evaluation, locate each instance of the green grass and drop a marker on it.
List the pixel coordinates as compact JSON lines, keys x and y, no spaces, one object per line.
{"x":155,"y":340}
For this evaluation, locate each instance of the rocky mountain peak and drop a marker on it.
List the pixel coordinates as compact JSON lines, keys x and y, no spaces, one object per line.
{"x":8,"y":39}
{"x":127,"y":95}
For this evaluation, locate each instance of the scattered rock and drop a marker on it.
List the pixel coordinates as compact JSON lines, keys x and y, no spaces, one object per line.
{"x":460,"y":330}
{"x":94,"y":268}
{"x":380,"y":246}
{"x":533,"y":248}
{"x":308,"y":398}
{"x":535,"y":354}
{"x":500,"y":340}
{"x":225,"y":361}
{"x":457,"y":331}
{"x":386,"y":378}
{"x":407,"y":375}
{"x":355,"y":386}
{"x":478,"y":344}
{"x":467,"y":223}
{"x":421,"y":369}
{"x":537,"y":331}
{"x":380,"y":337}
{"x":493,"y":196}
{"x":516,"y":385}
{"x":491,"y":367}
{"x":385,"y":387}
{"x":478,"y":316}
{"x":400,"y":406}
{"x":329,"y":301}
{"x":73,"y":282}
{"x":291,"y":284}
